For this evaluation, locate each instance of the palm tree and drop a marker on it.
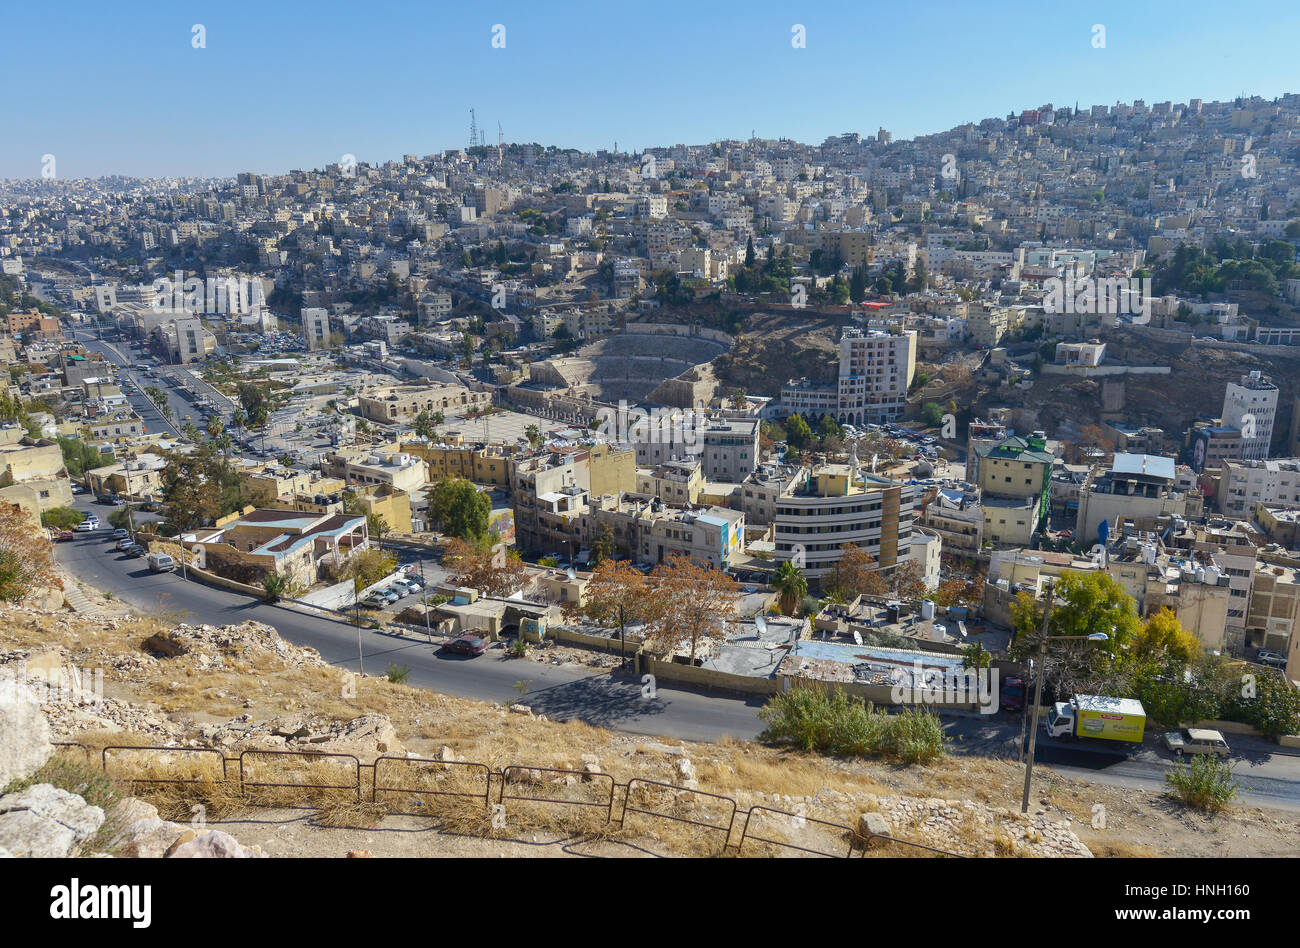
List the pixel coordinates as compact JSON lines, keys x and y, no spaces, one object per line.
{"x":533,"y":434}
{"x":238,"y":419}
{"x":789,"y":581}
{"x":215,"y":427}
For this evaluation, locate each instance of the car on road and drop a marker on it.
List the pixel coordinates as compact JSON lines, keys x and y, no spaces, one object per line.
{"x":64,"y":535}
{"x":408,"y":585}
{"x":120,"y":533}
{"x":134,"y":550}
{"x":87,"y":525}
{"x":1196,"y":740}
{"x":1266,"y":656}
{"x":1011,"y":696}
{"x":399,"y":589}
{"x":465,"y":645}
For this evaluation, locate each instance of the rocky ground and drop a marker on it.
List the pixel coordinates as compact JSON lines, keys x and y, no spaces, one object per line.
{"x":242,"y":687}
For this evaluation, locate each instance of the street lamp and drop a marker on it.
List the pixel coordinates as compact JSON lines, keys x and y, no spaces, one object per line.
{"x":1038,"y":687}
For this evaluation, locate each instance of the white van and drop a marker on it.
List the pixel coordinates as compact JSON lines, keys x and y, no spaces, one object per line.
{"x":160,"y":562}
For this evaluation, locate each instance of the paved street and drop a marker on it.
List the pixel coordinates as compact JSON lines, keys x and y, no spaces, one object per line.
{"x":1268,"y":777}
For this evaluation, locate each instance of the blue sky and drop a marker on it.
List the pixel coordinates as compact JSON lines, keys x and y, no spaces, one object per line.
{"x":119,"y":89}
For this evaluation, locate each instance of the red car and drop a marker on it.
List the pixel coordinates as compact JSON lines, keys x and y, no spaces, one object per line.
{"x":63,"y":535}
{"x":466,"y":645}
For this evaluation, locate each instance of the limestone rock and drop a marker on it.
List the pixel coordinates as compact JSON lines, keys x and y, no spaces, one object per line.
{"x":46,"y":822}
{"x":24,"y":732}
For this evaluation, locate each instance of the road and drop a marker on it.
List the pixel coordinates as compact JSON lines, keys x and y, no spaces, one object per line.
{"x":117,"y":353}
{"x":1268,"y":777}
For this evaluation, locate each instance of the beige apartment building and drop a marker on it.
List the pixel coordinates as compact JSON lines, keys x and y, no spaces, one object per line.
{"x":404,"y":403}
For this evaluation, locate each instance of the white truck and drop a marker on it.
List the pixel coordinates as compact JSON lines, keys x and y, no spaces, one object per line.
{"x":1110,"y":719}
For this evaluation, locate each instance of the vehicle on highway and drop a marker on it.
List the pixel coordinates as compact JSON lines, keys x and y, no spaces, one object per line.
{"x":1196,"y":740}
{"x":1099,"y":716}
{"x":161,"y":562}
{"x":1266,"y":656}
{"x":465,"y":645}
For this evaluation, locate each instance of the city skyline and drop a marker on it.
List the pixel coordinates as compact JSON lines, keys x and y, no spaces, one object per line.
{"x":252,"y":98}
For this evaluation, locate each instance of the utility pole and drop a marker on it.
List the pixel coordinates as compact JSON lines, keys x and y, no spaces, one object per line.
{"x":1050,"y":594}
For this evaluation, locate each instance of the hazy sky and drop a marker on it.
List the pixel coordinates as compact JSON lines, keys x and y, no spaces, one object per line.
{"x":120,"y":88}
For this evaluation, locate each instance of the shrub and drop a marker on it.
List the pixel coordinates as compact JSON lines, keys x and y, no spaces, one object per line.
{"x":397,"y":675}
{"x":62,"y":518}
{"x":273,"y":587}
{"x":1206,"y":784}
{"x":830,"y":721}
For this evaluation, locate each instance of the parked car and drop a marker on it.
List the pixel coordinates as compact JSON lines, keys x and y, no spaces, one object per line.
{"x":1266,"y":656}
{"x":124,"y":543}
{"x":64,"y":535}
{"x":408,"y":585}
{"x":375,"y":601}
{"x":466,"y":645}
{"x":134,"y":550}
{"x":1011,"y":697}
{"x":120,"y":533}
{"x":399,"y":589}
{"x":87,"y":525}
{"x":1197,"y":740}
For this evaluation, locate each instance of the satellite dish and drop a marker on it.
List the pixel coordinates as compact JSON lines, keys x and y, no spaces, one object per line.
{"x":857,"y":637}
{"x":761,"y":624}
{"x":572,"y":573}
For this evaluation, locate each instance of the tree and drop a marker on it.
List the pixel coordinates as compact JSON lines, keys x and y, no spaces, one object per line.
{"x":797,"y":432}
{"x":377,"y":526}
{"x":855,"y":574}
{"x":485,"y":565}
{"x":602,"y":548}
{"x":908,"y":580}
{"x":26,"y":557}
{"x":619,"y":594}
{"x":1161,"y":639}
{"x":691,"y":601}
{"x":828,"y":428}
{"x":191,"y":489}
{"x":533,"y":434}
{"x":369,"y":567}
{"x":932,"y":412}
{"x":459,"y":508}
{"x":215,"y":427}
{"x":1090,"y":603}
{"x":790,"y":582}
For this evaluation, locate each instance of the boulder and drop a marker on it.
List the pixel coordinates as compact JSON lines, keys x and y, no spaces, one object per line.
{"x":871,"y":826}
{"x":214,"y":844}
{"x":24,"y":732}
{"x":46,"y":822}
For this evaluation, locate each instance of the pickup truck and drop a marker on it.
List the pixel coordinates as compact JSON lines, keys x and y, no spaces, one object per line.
{"x":1196,"y":740}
